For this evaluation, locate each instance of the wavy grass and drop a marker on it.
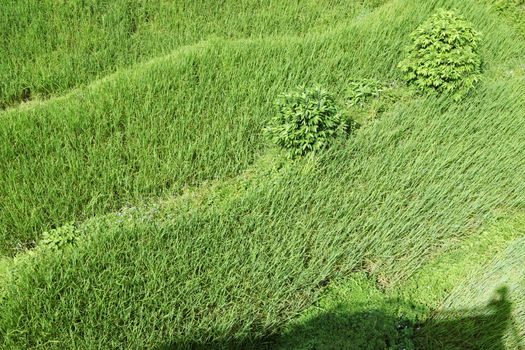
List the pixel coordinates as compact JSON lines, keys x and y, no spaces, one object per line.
{"x":42,"y":56}
{"x":233,"y":263}
{"x":193,"y":115}
{"x":190,"y":116}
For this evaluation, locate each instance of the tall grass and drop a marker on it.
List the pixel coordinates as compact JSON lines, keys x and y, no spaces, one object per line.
{"x":51,"y":46}
{"x":193,"y":115}
{"x":235,"y":264}
{"x":232,"y":263}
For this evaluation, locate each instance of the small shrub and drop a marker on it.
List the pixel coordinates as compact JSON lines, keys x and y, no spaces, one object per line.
{"x":443,"y":56}
{"x":359,"y":92}
{"x":59,"y":238}
{"x":307,"y":120}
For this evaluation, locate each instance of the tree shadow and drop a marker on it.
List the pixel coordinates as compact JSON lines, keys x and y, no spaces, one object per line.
{"x":337,"y":329}
{"x":490,"y":327}
{"x":487,"y":328}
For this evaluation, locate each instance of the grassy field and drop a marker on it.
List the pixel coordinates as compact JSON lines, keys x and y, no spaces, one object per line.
{"x":192,"y":231}
{"x":448,"y":304}
{"x":96,"y":137}
{"x":42,"y":56}
{"x":160,"y":126}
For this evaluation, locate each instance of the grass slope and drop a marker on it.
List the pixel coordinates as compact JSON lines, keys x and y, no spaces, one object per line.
{"x":42,"y":56}
{"x":448,"y":304}
{"x":252,"y":256}
{"x":234,"y":262}
{"x":193,"y":115}
{"x":190,"y":116}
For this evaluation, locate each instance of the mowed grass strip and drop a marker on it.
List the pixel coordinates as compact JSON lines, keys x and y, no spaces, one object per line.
{"x":42,"y":55}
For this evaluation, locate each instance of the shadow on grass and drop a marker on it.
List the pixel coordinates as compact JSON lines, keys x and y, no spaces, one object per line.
{"x":486,"y":328}
{"x":490,"y":327}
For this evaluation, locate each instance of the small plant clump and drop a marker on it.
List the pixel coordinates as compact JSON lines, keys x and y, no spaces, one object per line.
{"x":59,"y":238}
{"x":444,"y":55}
{"x":359,"y":92}
{"x":307,"y":120}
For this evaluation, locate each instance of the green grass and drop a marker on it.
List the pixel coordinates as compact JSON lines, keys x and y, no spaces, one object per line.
{"x":251,"y":256}
{"x":5,"y":264}
{"x":241,"y":240}
{"x":193,"y":115}
{"x":352,"y":314}
{"x":42,"y":56}
{"x":488,"y":300}
{"x":127,"y":138}
{"x":157,"y":127}
{"x":442,"y":306}
{"x":504,"y":270}
{"x":463,"y":259}
{"x":511,"y":10}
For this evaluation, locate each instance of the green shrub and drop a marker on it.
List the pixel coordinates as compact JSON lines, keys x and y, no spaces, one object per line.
{"x":307,"y":119}
{"x":59,"y":237}
{"x":359,"y":92}
{"x":443,"y":56}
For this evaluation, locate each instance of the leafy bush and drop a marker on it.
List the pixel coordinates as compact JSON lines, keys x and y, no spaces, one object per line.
{"x":307,"y":119}
{"x":59,"y":237}
{"x":443,"y":56}
{"x":361,"y":91}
